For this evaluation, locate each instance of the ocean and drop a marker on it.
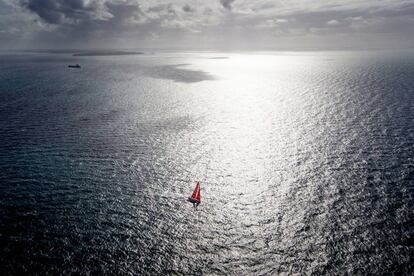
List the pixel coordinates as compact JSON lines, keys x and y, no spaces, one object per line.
{"x":305,"y":161}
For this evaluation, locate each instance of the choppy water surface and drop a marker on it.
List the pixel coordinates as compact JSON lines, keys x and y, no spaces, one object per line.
{"x":305,"y":161}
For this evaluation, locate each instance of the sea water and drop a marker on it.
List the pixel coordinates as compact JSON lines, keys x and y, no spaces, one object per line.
{"x":305,"y":161}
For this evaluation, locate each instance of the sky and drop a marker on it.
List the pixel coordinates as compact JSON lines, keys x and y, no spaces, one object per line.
{"x":207,"y":24}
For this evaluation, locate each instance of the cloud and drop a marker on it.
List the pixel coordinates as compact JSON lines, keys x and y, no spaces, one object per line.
{"x":78,"y":21}
{"x":332,"y":22}
{"x":188,"y":8}
{"x":199,"y":22}
{"x":272,"y":23}
{"x":226,"y":4}
{"x":282,"y":20}
{"x":59,"y":11}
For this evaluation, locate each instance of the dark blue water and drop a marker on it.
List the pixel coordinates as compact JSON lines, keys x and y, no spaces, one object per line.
{"x":305,"y":162}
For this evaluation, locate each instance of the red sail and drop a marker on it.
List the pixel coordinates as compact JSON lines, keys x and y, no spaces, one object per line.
{"x":196,"y":194}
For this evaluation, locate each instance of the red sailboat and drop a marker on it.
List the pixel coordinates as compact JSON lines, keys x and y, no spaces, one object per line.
{"x":195,"y":198}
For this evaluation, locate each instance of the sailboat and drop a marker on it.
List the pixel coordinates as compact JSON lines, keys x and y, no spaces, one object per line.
{"x":195,"y":198}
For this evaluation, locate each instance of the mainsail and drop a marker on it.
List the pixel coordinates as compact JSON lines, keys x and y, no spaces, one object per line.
{"x":196,"y":196}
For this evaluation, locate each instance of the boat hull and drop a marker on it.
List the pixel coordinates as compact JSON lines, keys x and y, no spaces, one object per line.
{"x":193,"y":200}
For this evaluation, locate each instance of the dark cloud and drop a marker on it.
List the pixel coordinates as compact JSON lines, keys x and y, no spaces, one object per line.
{"x":56,"y":11}
{"x":123,"y":12}
{"x":163,"y":9}
{"x":83,"y":22}
{"x":188,"y":8}
{"x":227,"y":3}
{"x":158,"y":8}
{"x":83,"y":13}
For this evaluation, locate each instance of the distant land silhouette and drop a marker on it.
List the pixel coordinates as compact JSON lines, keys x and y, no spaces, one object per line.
{"x":107,"y":53}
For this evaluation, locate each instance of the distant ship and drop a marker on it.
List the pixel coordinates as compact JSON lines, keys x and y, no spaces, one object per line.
{"x":74,"y":66}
